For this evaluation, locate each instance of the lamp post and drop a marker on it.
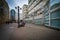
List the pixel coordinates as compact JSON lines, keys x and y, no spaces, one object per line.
{"x":18,"y":14}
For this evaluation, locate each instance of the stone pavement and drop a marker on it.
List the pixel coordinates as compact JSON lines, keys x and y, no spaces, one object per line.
{"x":6,"y":30}
{"x":33,"y":32}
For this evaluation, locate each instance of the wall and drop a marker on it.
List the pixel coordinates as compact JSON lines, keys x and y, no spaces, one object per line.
{"x":5,"y":11}
{"x":52,"y":14}
{"x":55,"y":13}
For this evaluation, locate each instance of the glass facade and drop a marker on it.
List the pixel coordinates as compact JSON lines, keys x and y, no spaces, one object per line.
{"x":55,"y":15}
{"x":29,"y":21}
{"x":51,"y":14}
{"x":46,"y":14}
{"x":12,"y":14}
{"x":29,"y":1}
{"x":1,"y":10}
{"x":38,"y":21}
{"x":52,"y":18}
{"x":52,"y":2}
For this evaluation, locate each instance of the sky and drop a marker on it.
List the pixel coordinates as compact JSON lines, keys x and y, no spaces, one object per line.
{"x":14,"y":3}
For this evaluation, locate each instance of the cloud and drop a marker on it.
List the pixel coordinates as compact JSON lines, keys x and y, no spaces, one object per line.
{"x":20,"y":2}
{"x":13,"y":3}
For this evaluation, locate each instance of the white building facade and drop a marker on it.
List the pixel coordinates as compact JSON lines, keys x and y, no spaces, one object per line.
{"x":35,"y":11}
{"x":24,"y":11}
{"x":45,"y":12}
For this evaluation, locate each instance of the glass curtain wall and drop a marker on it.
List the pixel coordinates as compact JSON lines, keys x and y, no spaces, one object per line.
{"x":55,"y":13}
{"x":52,"y":14}
{"x":46,"y":14}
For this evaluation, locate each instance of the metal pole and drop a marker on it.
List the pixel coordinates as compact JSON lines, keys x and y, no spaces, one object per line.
{"x":18,"y":16}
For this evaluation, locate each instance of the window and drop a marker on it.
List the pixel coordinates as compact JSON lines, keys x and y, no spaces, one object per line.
{"x":52,"y":2}
{"x":1,"y":11}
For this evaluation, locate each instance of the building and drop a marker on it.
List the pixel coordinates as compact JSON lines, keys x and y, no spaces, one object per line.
{"x":35,"y":11}
{"x":4,"y":11}
{"x":45,"y":12}
{"x":55,"y":13}
{"x":52,"y":14}
{"x":25,"y":11}
{"x":12,"y":15}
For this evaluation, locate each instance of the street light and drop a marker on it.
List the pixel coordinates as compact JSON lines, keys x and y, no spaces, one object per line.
{"x":18,"y":13}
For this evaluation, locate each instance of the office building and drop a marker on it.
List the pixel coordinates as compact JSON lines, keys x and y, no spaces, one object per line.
{"x":4,"y":11}
{"x":25,"y":11}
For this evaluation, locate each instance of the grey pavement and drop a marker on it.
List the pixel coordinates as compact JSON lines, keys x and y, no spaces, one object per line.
{"x":33,"y":32}
{"x":6,"y":30}
{"x":29,"y":32}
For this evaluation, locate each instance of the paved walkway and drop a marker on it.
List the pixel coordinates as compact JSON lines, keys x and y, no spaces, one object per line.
{"x":33,"y":32}
{"x":6,"y":30}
